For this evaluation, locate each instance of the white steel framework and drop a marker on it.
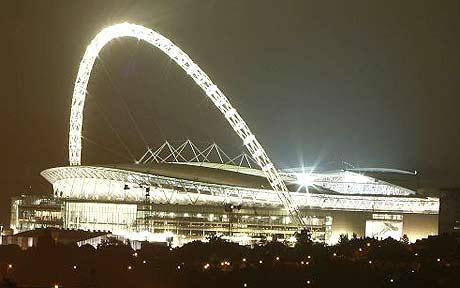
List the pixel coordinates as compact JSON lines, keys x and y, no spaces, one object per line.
{"x":188,"y":152}
{"x":106,"y":184}
{"x":347,"y":182}
{"x":201,"y":79}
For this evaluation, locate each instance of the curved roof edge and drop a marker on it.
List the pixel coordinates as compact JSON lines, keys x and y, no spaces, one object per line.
{"x":382,"y":170}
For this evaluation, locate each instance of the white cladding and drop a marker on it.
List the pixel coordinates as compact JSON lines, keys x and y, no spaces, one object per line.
{"x":108,"y":184}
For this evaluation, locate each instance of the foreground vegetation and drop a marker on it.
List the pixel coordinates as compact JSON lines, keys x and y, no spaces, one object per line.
{"x":355,"y":262}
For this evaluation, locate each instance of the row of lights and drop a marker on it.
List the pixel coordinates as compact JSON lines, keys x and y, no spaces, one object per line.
{"x":227,"y":263}
{"x":277,"y":258}
{"x":212,"y":216}
{"x":207,"y":265}
{"x":369,"y":244}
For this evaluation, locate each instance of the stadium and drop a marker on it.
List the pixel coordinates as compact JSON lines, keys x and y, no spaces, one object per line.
{"x":174,"y":196}
{"x":177,"y":193}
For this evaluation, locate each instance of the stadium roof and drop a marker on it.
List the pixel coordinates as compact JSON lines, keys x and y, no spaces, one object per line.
{"x":196,"y":184}
{"x":201,"y":173}
{"x":406,"y":179}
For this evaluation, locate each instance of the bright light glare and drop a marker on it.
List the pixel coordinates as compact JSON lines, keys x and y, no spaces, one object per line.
{"x":305,"y":179}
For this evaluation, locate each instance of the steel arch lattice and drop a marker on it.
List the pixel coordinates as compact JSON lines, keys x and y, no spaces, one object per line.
{"x":200,"y":78}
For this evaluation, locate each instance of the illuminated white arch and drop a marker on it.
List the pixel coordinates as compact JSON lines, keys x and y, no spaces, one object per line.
{"x":200,"y":78}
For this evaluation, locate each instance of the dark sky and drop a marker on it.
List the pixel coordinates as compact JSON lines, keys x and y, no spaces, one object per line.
{"x":373,"y":83}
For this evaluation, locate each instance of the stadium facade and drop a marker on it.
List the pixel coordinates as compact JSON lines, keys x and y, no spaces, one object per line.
{"x":179,"y":193}
{"x":176,"y":198}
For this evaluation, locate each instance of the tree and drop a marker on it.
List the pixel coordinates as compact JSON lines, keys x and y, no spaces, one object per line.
{"x":405,"y":239}
{"x":110,"y":242}
{"x":343,"y":239}
{"x":303,"y":238}
{"x":215,"y":239}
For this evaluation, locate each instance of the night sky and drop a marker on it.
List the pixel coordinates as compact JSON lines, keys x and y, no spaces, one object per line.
{"x":373,"y":83}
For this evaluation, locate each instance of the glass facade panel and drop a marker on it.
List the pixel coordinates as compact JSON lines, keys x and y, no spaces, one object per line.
{"x":100,"y":216}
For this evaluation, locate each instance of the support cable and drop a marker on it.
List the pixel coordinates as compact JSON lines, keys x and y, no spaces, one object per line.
{"x":124,"y":105}
{"x":105,"y":148}
{"x":218,"y":98}
{"x":115,"y":132}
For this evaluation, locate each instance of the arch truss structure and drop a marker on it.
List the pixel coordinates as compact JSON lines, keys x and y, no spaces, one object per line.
{"x":201,"y":79}
{"x":189,"y":152}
